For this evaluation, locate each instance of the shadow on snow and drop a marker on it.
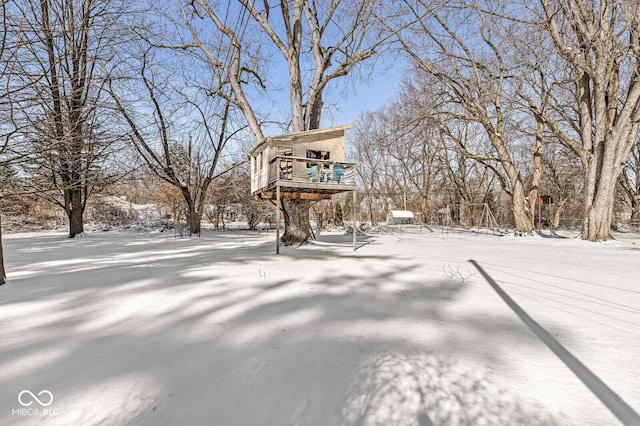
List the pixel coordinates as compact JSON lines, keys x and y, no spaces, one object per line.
{"x":152,"y":330}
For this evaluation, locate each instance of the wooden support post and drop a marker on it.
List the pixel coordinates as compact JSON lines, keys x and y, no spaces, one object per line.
{"x":278,"y":219}
{"x":353,"y":212}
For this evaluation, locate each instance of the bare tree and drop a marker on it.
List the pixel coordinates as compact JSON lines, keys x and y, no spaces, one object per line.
{"x":599,"y":43}
{"x":474,"y":73}
{"x":396,"y":149}
{"x":183,"y":140}
{"x":467,"y":182}
{"x":369,"y":129}
{"x":561,"y":168}
{"x":319,"y":42}
{"x":585,"y":90}
{"x":446,"y":174}
{"x":11,"y":34}
{"x":66,"y":44}
{"x":231,"y":196}
{"x":6,"y":134}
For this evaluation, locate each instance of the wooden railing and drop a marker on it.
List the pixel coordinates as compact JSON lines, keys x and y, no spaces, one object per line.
{"x":298,"y":169}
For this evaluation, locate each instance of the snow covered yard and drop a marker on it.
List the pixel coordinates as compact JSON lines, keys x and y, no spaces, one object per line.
{"x":146,"y":329}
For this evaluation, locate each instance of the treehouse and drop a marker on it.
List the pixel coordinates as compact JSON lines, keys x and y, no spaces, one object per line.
{"x":304,"y":165}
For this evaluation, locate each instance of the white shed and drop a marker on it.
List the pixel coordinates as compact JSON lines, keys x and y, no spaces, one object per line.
{"x":400,"y":217}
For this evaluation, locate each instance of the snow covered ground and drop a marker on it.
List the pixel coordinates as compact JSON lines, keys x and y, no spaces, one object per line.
{"x":147,"y":329}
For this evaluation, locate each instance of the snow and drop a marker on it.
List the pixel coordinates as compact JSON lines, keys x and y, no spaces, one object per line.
{"x":148,"y":329}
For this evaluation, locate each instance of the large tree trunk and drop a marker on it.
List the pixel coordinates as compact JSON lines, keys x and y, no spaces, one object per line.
{"x":596,"y":225}
{"x":75,"y":212}
{"x":194,"y":214}
{"x":598,"y":217}
{"x":296,"y":222}
{"x":521,"y":209}
{"x":76,"y":225}
{"x":522,"y":218}
{"x":463,"y":215}
{"x":557,"y":213}
{"x":522,"y":212}
{"x":602,"y":168}
{"x":193,"y":219}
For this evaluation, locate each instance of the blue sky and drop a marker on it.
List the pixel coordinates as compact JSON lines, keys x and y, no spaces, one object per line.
{"x":368,"y":87}
{"x":345,"y":99}
{"x":366,"y":96}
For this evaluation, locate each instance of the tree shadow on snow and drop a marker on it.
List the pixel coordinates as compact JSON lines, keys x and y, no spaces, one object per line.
{"x":153,"y":338}
{"x":427,"y":389}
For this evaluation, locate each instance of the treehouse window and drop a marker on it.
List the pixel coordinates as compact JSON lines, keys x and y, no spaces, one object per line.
{"x":317,"y":155}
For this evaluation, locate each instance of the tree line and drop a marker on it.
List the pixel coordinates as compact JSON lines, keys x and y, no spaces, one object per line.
{"x":528,"y":98}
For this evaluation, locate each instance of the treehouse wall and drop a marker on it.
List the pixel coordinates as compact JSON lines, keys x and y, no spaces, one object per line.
{"x":331,"y":149}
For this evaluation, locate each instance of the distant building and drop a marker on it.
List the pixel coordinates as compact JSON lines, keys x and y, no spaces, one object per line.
{"x":400,"y":217}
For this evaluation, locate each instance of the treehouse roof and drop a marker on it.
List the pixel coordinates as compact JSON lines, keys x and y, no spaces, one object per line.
{"x":306,"y":136}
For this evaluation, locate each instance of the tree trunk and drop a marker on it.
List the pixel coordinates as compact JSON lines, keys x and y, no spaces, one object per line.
{"x":296,"y":222}
{"x":424,"y":207}
{"x":522,"y":215}
{"x":538,"y":172}
{"x":194,"y":215}
{"x":557,"y":213}
{"x":75,"y":212}
{"x":463,"y":216}
{"x":598,"y":217}
{"x":76,"y":225}
{"x":193,"y":220}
